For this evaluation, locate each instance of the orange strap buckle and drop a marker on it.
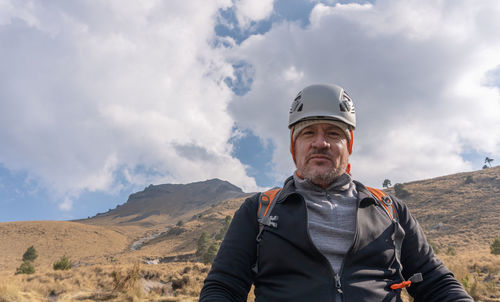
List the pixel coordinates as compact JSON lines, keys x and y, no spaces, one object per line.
{"x":401,"y":285}
{"x":415,"y":278}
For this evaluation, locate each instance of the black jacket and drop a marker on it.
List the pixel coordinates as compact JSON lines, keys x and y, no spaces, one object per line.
{"x":290,"y":268}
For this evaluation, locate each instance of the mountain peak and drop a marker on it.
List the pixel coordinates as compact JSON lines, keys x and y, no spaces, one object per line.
{"x":175,"y":199}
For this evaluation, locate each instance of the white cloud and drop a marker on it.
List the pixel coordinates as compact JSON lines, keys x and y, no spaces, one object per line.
{"x":252,"y":10}
{"x":91,"y":91}
{"x":415,"y":69}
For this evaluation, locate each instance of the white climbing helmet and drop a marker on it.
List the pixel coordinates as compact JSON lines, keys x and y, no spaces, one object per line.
{"x":323,"y":101}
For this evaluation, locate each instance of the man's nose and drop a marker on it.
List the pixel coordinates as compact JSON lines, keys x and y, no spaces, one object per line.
{"x":320,"y":141}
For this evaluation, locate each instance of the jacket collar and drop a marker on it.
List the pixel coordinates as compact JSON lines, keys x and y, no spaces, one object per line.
{"x":289,"y":189}
{"x":364,"y":196}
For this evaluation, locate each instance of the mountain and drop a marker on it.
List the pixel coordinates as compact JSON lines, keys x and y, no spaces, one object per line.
{"x":160,"y":203}
{"x":459,"y":210}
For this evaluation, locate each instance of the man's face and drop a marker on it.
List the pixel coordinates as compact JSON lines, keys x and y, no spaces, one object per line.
{"x":321,"y":153}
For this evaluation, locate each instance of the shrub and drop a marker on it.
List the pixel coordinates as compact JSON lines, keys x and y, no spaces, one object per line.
{"x":202,"y":244}
{"x":435,"y":248}
{"x":206,"y":249}
{"x":175,"y":231}
{"x":63,"y":264}
{"x":223,"y":230}
{"x":180,"y":223}
{"x":387,"y":183}
{"x":30,"y":254}
{"x":128,"y":280}
{"x":180,"y":282}
{"x":495,"y":247}
{"x":209,"y":256}
{"x":469,"y":180}
{"x":25,"y":268}
{"x":451,"y":251}
{"x":471,"y":286}
{"x":400,"y":191}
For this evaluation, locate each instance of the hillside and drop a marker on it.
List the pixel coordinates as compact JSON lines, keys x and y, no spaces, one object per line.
{"x":453,"y":212}
{"x":457,"y":211}
{"x":53,"y":239}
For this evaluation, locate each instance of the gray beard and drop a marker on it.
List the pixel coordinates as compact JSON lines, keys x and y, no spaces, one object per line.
{"x":322,"y":179}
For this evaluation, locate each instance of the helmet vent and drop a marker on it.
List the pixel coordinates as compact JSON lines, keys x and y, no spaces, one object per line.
{"x":296,"y":102}
{"x":300,"y":107}
{"x":346,"y":104}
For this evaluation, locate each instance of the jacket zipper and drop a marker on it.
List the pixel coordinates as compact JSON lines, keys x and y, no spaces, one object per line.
{"x":336,"y":276}
{"x":338,"y":283}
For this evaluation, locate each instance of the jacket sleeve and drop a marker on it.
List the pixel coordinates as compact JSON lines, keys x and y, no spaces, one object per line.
{"x":231,"y":277}
{"x":417,"y":256}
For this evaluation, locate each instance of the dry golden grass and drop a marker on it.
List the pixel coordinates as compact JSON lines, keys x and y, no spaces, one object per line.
{"x":478,"y":271}
{"x":133,"y":282}
{"x":53,"y":239}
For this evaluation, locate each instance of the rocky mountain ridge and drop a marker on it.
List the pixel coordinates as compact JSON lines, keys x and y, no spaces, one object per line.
{"x":168,"y":201}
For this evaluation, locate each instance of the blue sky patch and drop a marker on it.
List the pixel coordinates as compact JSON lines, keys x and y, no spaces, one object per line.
{"x":21,"y":198}
{"x":251,"y":151}
{"x":476,"y":159}
{"x":242,"y":79}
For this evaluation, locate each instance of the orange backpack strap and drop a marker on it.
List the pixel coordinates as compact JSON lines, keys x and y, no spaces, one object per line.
{"x":266,"y":205}
{"x":398,"y":235}
{"x":385,"y":201}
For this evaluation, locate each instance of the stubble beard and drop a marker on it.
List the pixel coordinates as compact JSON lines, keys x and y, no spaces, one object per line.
{"x":322,"y":179}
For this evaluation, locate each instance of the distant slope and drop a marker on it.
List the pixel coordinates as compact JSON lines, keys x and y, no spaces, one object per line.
{"x":183,"y":239}
{"x":455,"y":213}
{"x":161,"y":203}
{"x":53,"y":239}
{"x":451,"y":213}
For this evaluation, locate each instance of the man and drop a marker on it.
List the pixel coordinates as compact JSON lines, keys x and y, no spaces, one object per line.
{"x":331,"y":239}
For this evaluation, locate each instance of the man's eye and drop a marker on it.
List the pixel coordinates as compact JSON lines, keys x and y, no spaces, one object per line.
{"x":334,"y":134}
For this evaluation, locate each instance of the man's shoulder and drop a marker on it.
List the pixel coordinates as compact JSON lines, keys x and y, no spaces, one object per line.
{"x":398,"y":203}
{"x":252,"y":199}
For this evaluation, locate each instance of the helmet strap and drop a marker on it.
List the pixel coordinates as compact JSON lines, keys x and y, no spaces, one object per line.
{"x":348,"y":170}
{"x":349,"y":148}
{"x":291,"y":144}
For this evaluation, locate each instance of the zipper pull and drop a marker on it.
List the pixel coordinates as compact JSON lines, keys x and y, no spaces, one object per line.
{"x":338,"y":285}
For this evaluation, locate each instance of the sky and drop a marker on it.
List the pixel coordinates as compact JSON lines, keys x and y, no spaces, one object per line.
{"x":99,"y":99}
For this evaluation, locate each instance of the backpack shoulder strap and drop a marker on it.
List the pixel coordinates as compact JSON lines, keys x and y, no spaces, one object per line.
{"x":397,"y":236}
{"x":385,"y":201}
{"x":266,"y":205}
